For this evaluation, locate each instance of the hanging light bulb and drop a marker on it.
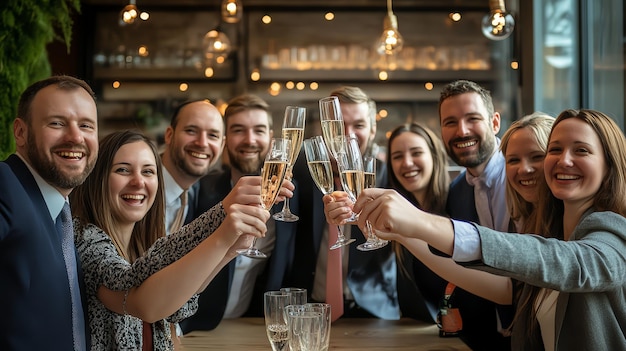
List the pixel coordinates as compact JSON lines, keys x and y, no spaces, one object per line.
{"x":129,"y":13}
{"x":390,"y":41}
{"x":232,"y":10}
{"x":216,"y":47}
{"x":498,"y":24}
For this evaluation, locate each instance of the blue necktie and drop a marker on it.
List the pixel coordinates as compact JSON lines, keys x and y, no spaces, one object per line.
{"x":66,"y":232}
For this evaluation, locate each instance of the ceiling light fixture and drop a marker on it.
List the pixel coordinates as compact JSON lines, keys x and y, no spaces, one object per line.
{"x":390,"y":41}
{"x":216,"y":46}
{"x":498,"y":24}
{"x":130,"y":13}
{"x":232,"y":10}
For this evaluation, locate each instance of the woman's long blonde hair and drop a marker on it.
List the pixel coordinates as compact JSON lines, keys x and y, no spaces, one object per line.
{"x":540,"y":124}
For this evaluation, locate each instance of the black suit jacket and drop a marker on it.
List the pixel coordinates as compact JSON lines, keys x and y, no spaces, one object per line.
{"x":212,"y":189}
{"x":35,"y":297}
{"x":480,"y":328}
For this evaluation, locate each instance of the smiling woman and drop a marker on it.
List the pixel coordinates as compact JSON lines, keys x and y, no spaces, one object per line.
{"x":127,"y":260}
{"x":581,"y":225}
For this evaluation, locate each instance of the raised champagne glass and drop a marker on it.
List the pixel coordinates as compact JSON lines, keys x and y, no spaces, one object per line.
{"x":369,"y":177}
{"x":318,"y":160}
{"x":272,"y":177}
{"x":331,"y":121}
{"x":350,"y":164}
{"x":293,"y":129}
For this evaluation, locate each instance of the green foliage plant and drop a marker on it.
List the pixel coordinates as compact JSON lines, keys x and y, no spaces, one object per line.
{"x":26,"y":27}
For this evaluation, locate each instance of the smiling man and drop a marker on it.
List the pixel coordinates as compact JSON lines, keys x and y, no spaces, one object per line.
{"x":238,"y":288}
{"x":469,"y":126}
{"x":56,"y":138}
{"x":194,"y":141}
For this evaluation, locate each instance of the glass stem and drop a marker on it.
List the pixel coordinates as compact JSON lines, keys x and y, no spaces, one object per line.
{"x":286,"y":206}
{"x":370,"y":232}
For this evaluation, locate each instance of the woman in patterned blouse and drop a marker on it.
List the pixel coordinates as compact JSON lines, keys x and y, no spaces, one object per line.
{"x":138,"y":281}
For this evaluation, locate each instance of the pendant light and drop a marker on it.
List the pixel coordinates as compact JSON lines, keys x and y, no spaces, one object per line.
{"x":232,"y":11}
{"x":216,"y":47}
{"x":130,"y":13}
{"x":390,"y":42}
{"x":498,"y":24}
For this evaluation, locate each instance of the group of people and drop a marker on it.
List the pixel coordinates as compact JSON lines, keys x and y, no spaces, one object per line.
{"x":152,"y":249}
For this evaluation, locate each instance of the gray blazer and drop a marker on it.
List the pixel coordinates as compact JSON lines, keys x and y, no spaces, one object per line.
{"x":589,"y":271}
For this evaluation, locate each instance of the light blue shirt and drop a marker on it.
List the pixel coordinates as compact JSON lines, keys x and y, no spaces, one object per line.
{"x":466,"y":242}
{"x":490,"y":193}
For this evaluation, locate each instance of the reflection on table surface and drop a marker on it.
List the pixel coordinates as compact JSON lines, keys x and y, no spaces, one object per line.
{"x":346,"y":334}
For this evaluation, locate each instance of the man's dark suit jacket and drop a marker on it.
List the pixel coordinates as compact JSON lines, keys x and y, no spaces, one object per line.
{"x":480,"y":331}
{"x":213,"y":188}
{"x":34,"y":294}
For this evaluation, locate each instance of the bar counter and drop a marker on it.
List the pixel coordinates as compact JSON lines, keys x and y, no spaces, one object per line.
{"x":346,"y":334}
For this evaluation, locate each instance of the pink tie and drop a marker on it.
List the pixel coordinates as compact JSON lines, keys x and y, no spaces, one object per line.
{"x":334,"y":277}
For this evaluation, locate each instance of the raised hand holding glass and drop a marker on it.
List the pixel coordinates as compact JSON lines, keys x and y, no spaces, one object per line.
{"x":272,"y":177}
{"x":369,"y":173}
{"x":318,"y":162}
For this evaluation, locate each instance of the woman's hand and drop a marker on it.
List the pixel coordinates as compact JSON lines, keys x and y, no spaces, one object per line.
{"x":388,"y":212}
{"x":245,"y":219}
{"x":246,"y":191}
{"x":337,"y":207}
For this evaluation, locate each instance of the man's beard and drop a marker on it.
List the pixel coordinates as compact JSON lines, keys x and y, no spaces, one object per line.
{"x":180,"y":163}
{"x":485,"y":150}
{"x":247,"y":167}
{"x":49,"y":171}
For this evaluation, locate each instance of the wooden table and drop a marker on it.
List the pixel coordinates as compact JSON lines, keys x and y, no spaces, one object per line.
{"x":346,"y":334}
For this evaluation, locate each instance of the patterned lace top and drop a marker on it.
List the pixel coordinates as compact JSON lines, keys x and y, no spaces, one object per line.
{"x":102,"y":265}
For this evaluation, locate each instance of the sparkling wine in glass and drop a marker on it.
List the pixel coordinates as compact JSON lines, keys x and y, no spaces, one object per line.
{"x":322,"y":174}
{"x":272,"y":177}
{"x":331,"y":121}
{"x":350,"y":164}
{"x":293,"y":129}
{"x":369,"y":176}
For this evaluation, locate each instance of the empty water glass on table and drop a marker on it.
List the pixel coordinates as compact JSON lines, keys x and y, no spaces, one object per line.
{"x":298,"y":295}
{"x":276,"y":325}
{"x":305,"y":328}
{"x":324,"y":310}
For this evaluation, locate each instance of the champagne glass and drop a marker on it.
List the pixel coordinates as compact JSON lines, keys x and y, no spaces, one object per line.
{"x":369,"y":176}
{"x":305,"y":328}
{"x":276,"y":325}
{"x":324,"y":310}
{"x":319,"y":166}
{"x":293,"y":129}
{"x":350,"y":165}
{"x":298,"y":295}
{"x":331,"y":121}
{"x":272,"y":177}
